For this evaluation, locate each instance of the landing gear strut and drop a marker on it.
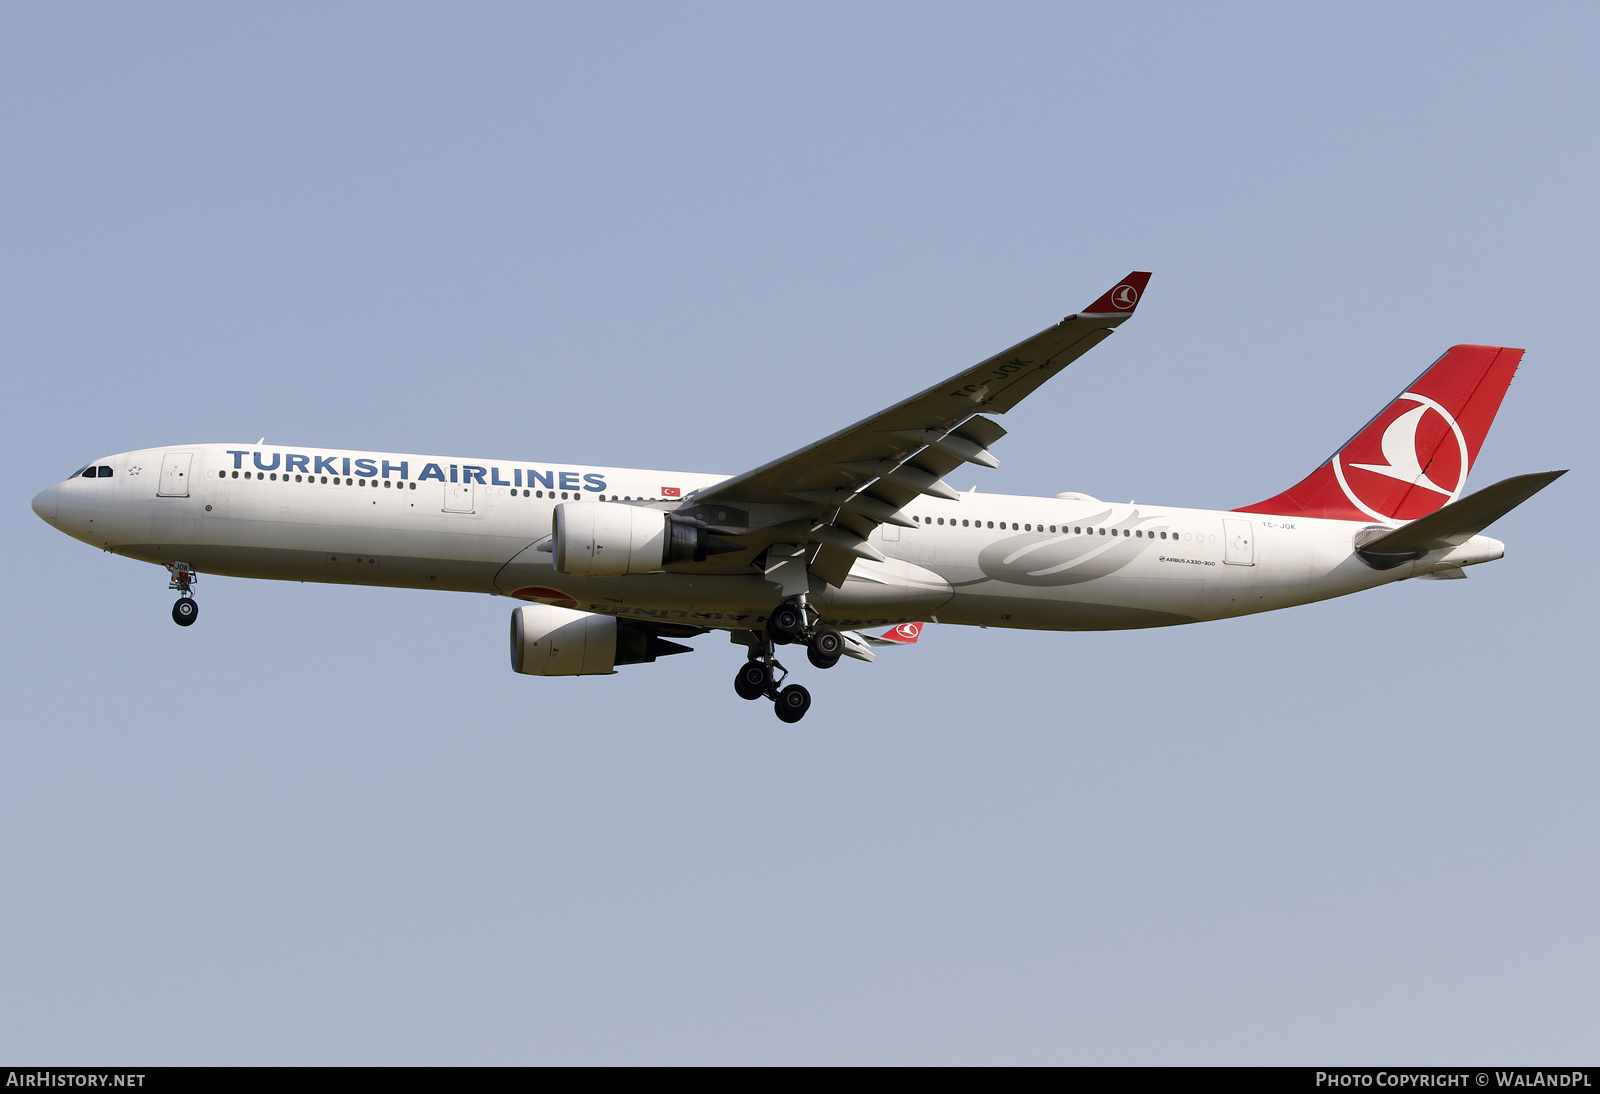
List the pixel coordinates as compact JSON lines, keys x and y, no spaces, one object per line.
{"x":186,"y":610}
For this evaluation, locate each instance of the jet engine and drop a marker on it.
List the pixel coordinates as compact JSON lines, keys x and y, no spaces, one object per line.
{"x":596,"y":539}
{"x":551,"y":641}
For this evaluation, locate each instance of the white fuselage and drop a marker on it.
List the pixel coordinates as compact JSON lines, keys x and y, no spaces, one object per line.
{"x":412,"y":521}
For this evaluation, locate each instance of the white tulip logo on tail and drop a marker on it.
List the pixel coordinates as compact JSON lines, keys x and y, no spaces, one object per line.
{"x":1405,"y":460}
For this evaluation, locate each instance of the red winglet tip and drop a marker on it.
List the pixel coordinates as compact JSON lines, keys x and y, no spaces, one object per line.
{"x":905,"y":634}
{"x":1124,"y":297}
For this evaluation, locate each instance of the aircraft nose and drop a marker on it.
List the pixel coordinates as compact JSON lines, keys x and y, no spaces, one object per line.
{"x":44,"y":503}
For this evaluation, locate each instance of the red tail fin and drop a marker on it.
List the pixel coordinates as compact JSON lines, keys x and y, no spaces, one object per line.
{"x":1414,"y":457}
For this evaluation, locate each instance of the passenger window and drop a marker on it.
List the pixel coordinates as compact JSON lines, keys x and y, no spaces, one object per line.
{"x":1013,"y":526}
{"x":413,"y":486}
{"x":1027,"y":528}
{"x":963,"y":524}
{"x":1052,"y":527}
{"x":941,"y":520}
{"x":1102,"y":531}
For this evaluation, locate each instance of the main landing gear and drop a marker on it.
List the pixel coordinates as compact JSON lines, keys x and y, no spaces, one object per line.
{"x":761,"y":676}
{"x":186,"y":610}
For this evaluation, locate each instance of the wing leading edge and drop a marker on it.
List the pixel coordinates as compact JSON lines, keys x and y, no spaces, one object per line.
{"x":828,"y":497}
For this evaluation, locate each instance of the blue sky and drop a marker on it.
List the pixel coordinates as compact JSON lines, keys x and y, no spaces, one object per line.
{"x":330,"y":825}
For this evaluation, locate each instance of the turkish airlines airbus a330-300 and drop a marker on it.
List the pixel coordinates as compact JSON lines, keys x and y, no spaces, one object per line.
{"x":856,"y":531}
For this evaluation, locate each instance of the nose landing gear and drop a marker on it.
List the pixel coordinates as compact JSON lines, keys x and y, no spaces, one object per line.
{"x":186,"y":610}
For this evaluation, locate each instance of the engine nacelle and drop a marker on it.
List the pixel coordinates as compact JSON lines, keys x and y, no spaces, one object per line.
{"x":599,"y":539}
{"x":551,"y":641}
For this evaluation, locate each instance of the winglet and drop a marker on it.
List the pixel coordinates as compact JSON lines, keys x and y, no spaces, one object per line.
{"x":1122,"y":299}
{"x":906,"y":634}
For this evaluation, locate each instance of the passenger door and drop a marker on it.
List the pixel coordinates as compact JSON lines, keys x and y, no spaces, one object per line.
{"x":175,"y":475}
{"x":1239,"y":542}
{"x":458,"y":497}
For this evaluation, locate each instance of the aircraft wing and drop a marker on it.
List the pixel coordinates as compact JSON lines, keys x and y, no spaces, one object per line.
{"x":829,"y":496}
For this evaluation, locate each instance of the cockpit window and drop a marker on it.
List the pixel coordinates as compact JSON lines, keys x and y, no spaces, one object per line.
{"x":105,"y":472}
{"x":88,"y":472}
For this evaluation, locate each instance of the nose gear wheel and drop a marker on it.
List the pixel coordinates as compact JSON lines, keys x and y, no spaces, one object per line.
{"x":186,"y":610}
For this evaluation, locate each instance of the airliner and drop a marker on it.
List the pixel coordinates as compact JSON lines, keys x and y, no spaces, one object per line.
{"x":819,"y":548}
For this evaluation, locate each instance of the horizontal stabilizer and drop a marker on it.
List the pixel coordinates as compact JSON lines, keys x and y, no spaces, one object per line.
{"x":1459,"y":521}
